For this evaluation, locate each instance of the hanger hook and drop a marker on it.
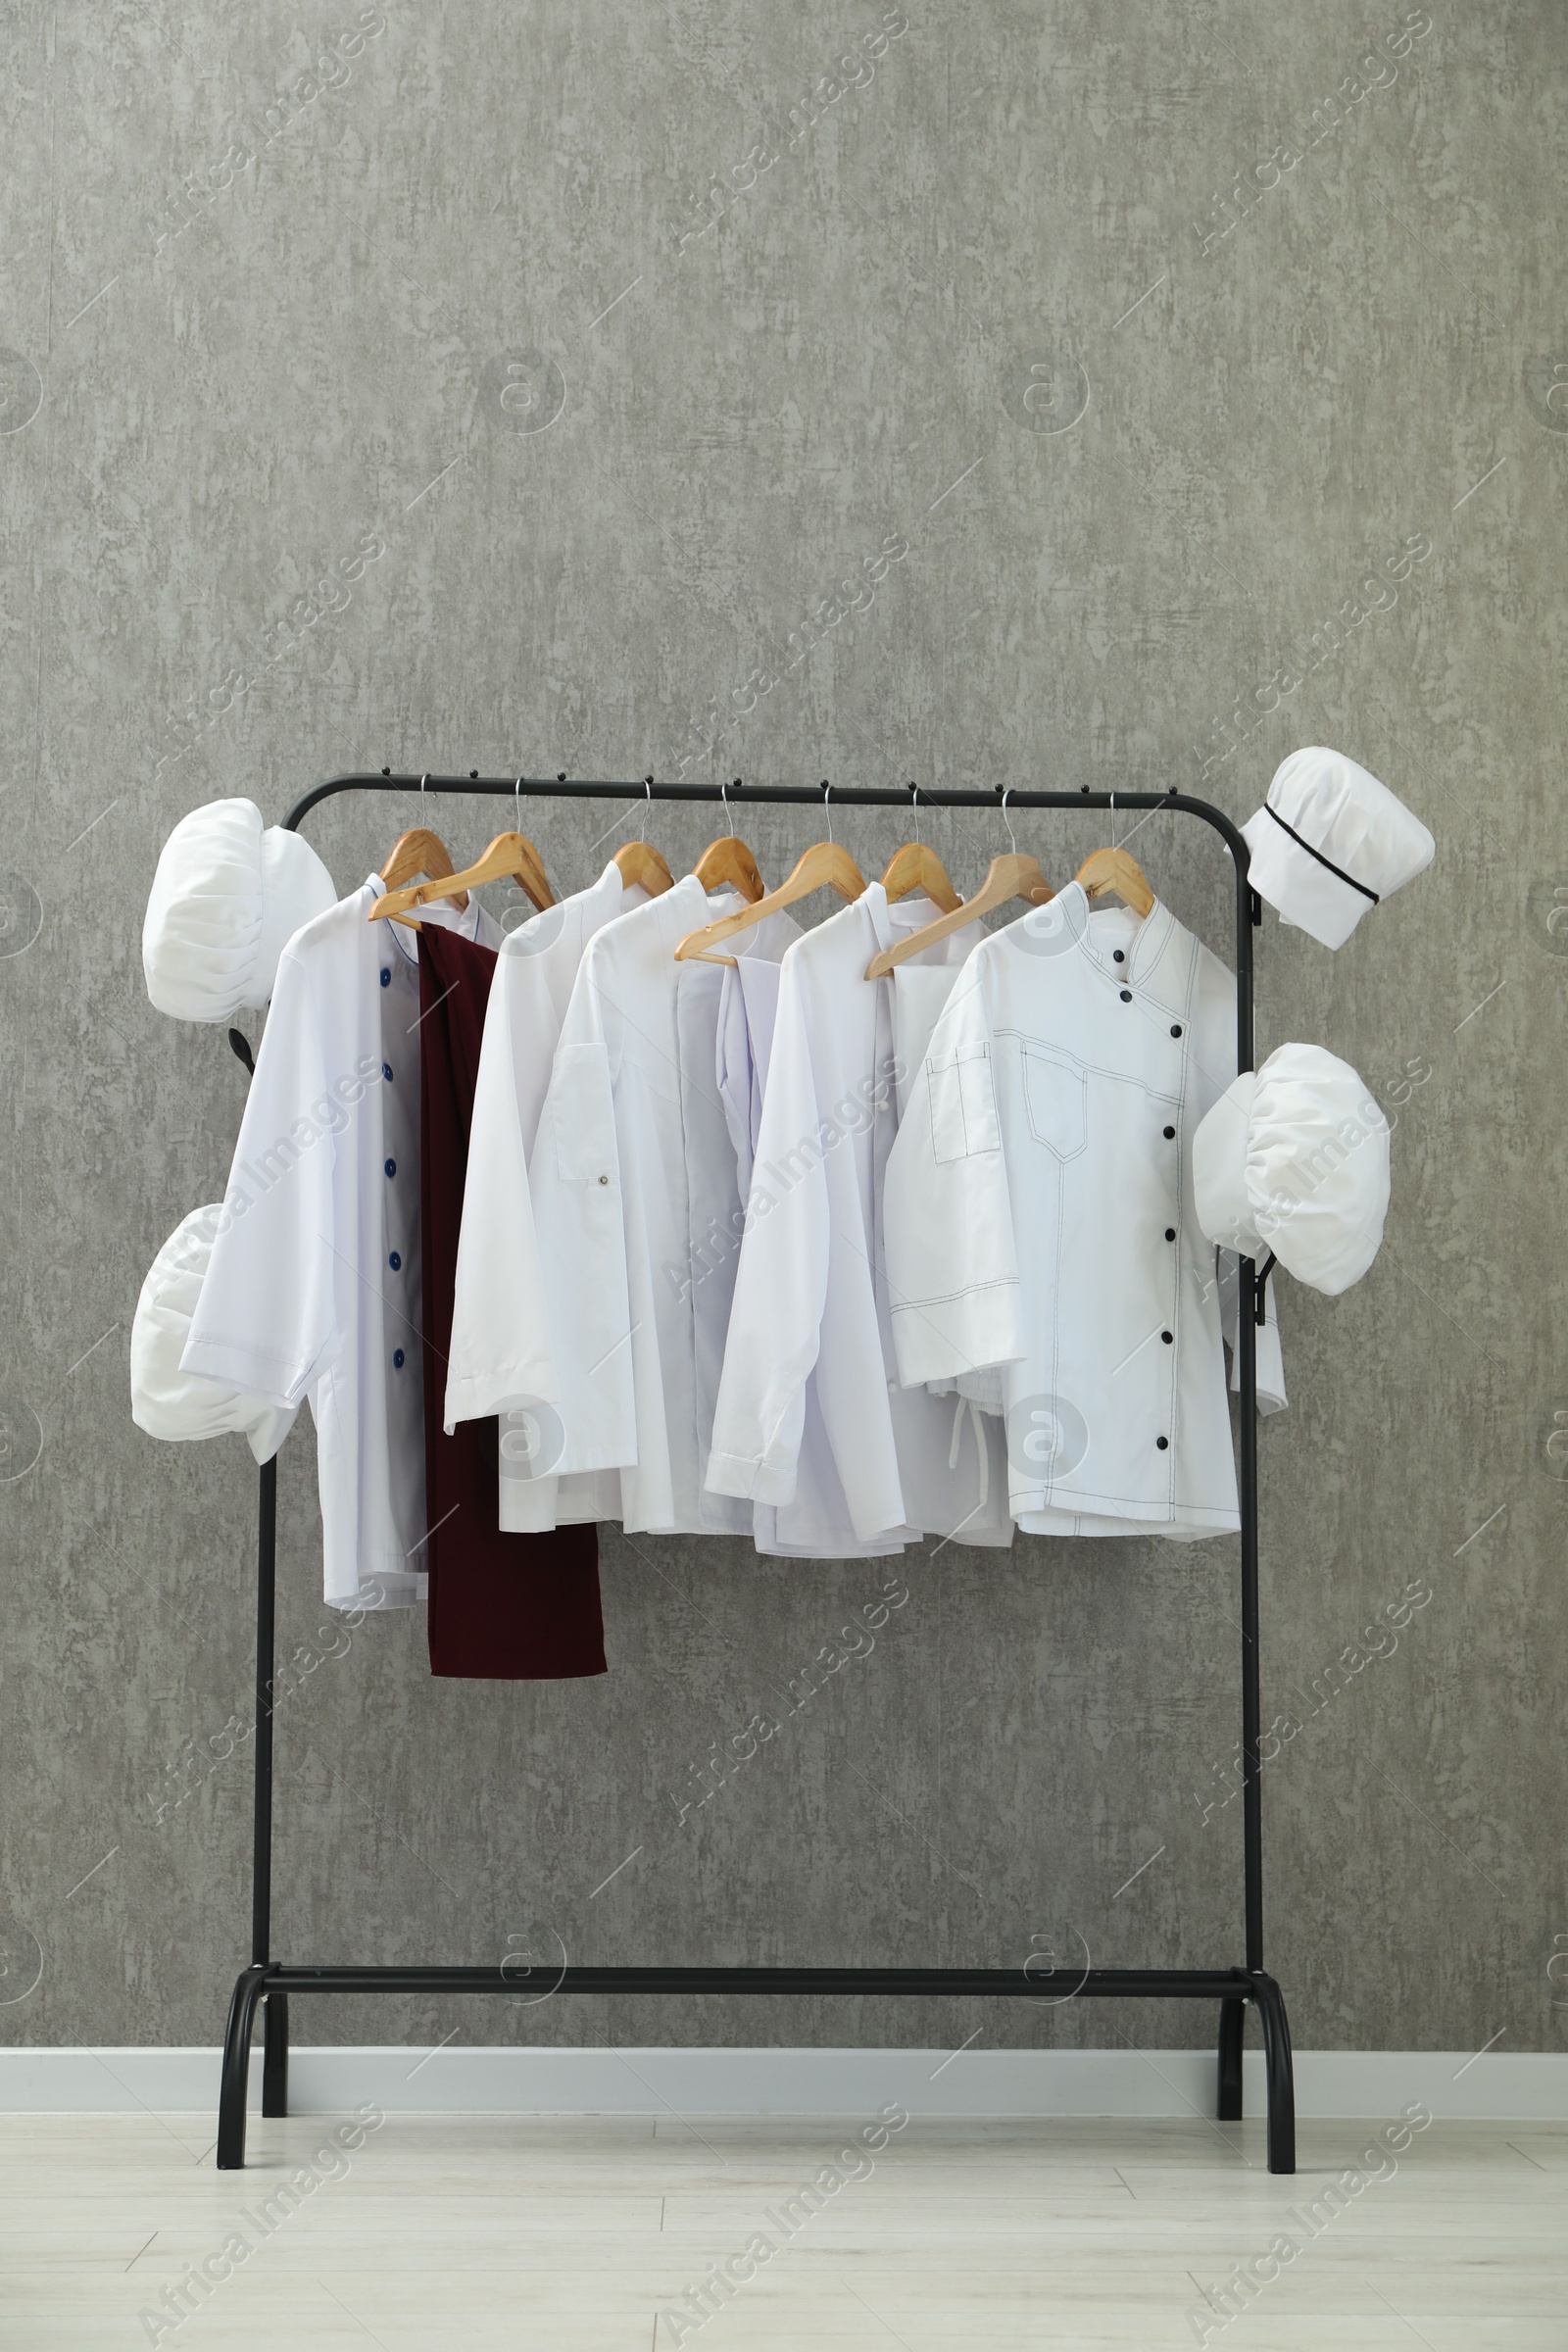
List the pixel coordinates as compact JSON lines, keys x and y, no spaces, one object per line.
{"x":424,"y":782}
{"x":914,"y":802}
{"x":1008,"y":821}
{"x":828,"y":803}
{"x":724,"y":794}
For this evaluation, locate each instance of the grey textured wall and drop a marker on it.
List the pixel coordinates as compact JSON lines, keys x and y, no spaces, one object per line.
{"x":495,"y":293}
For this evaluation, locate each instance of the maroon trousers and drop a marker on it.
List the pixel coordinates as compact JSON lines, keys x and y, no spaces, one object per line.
{"x":512,"y":1609}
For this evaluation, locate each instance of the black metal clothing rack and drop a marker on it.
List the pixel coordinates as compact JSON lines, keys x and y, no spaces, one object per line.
{"x":271,"y":1981}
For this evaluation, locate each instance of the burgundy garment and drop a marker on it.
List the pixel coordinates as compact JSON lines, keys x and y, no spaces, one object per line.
{"x":512,"y":1609}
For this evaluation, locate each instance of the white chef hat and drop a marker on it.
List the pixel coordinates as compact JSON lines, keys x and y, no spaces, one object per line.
{"x":228,"y":896}
{"x":163,"y":1400}
{"x":1294,"y":1157}
{"x":1330,"y":842}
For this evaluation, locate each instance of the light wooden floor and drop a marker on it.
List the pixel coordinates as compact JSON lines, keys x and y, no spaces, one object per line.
{"x":480,"y":2233}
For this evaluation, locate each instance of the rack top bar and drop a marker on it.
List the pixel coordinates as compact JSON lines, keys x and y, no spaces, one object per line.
{"x":736,"y":794}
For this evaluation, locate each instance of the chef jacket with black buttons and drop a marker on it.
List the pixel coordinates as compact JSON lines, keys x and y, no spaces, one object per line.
{"x":313,"y":1285}
{"x":1039,"y":1220}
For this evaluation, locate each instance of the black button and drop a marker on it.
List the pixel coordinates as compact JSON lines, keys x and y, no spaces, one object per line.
{"x":1126,"y":996}
{"x":386,"y":1072}
{"x":395,"y":1261}
{"x":397,"y":1358}
{"x":1169,"y":1133}
{"x":386,"y":977}
{"x":1168,"y":1337}
{"x":1163,"y":1444}
{"x":1170,"y":1233}
{"x":391,"y":1167}
{"x":1175,"y":1028}
{"x":1116,"y":956}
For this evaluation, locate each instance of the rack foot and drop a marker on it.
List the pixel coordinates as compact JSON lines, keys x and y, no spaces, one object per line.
{"x":1232,"y":2020}
{"x":236,"y":2069}
{"x":274,"y":2054}
{"x":1280,"y":2073}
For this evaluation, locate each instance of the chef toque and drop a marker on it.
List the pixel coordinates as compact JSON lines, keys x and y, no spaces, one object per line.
{"x":163,"y":1400}
{"x":1294,"y":1157}
{"x":226,"y":899}
{"x":1330,"y":842}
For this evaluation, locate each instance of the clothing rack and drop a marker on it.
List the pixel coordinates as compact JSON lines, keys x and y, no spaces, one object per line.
{"x":270,"y":1981}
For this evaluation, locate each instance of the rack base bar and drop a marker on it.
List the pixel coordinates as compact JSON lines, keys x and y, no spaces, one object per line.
{"x":1233,"y":1988}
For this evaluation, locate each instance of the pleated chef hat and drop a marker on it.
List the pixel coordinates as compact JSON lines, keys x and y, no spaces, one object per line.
{"x":1330,"y":842}
{"x":163,"y":1400}
{"x":1294,"y":1157}
{"x":227,"y":896}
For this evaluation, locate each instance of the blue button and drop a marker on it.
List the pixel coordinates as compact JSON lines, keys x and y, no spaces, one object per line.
{"x":391,"y":1167}
{"x":386,"y":977}
{"x":386,"y":1072}
{"x":394,"y":1261}
{"x":397,"y":1357}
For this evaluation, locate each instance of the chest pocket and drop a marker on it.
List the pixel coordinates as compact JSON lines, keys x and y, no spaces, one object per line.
{"x":964,"y":1106}
{"x":1056,"y":1093}
{"x":585,"y":1115}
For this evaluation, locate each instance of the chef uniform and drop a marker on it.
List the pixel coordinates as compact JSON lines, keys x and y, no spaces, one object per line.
{"x":816,"y":1522}
{"x":635,"y":1209}
{"x":503,"y":1607}
{"x":1038,"y":1219}
{"x":500,"y":1350}
{"x":314,"y":1287}
{"x":809,"y":1328}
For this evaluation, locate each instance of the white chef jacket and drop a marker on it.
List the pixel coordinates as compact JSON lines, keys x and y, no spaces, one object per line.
{"x":815,"y":1524}
{"x":500,"y":1361}
{"x":811,"y":1297}
{"x":1039,"y":1218}
{"x":313,"y":1285}
{"x":637,"y":1214}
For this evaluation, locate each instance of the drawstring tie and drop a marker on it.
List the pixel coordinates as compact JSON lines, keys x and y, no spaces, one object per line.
{"x":967,"y":1405}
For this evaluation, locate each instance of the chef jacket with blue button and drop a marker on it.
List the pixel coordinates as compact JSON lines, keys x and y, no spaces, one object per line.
{"x":314,"y":1286}
{"x":1038,"y":1219}
{"x":501,"y":1357}
{"x":810,"y":1312}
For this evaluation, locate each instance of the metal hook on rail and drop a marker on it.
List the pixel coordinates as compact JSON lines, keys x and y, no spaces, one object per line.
{"x":828,"y":803}
{"x":1008,"y":821}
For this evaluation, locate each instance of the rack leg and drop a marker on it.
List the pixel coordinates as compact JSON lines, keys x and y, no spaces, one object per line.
{"x":236,"y":2069}
{"x":274,"y":2054}
{"x":1231,"y":2019}
{"x":1280,"y":2072}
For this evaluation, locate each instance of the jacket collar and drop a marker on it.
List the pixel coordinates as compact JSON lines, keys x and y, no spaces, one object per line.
{"x":1145,"y":942}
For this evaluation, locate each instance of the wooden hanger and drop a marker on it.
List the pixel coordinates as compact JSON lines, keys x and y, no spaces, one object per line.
{"x":728,"y":860}
{"x":824,"y":866}
{"x":640,"y":862}
{"x":917,"y":867}
{"x":1116,"y":870}
{"x":1016,"y":875}
{"x":509,"y":853}
{"x":421,"y":851}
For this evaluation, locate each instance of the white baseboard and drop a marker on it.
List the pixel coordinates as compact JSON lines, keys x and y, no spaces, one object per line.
{"x":453,"y":2081}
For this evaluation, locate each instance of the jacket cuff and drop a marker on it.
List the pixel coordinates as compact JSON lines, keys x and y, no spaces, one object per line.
{"x":939,"y":1338}
{"x":751,"y":1481}
{"x":475,"y":1396}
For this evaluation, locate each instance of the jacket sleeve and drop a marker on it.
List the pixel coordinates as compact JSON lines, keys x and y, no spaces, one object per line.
{"x":266,"y":1316}
{"x":574,"y":1179}
{"x":501,"y":1350}
{"x":775,"y":1318}
{"x":1213,"y":1069}
{"x":951,"y":1264}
